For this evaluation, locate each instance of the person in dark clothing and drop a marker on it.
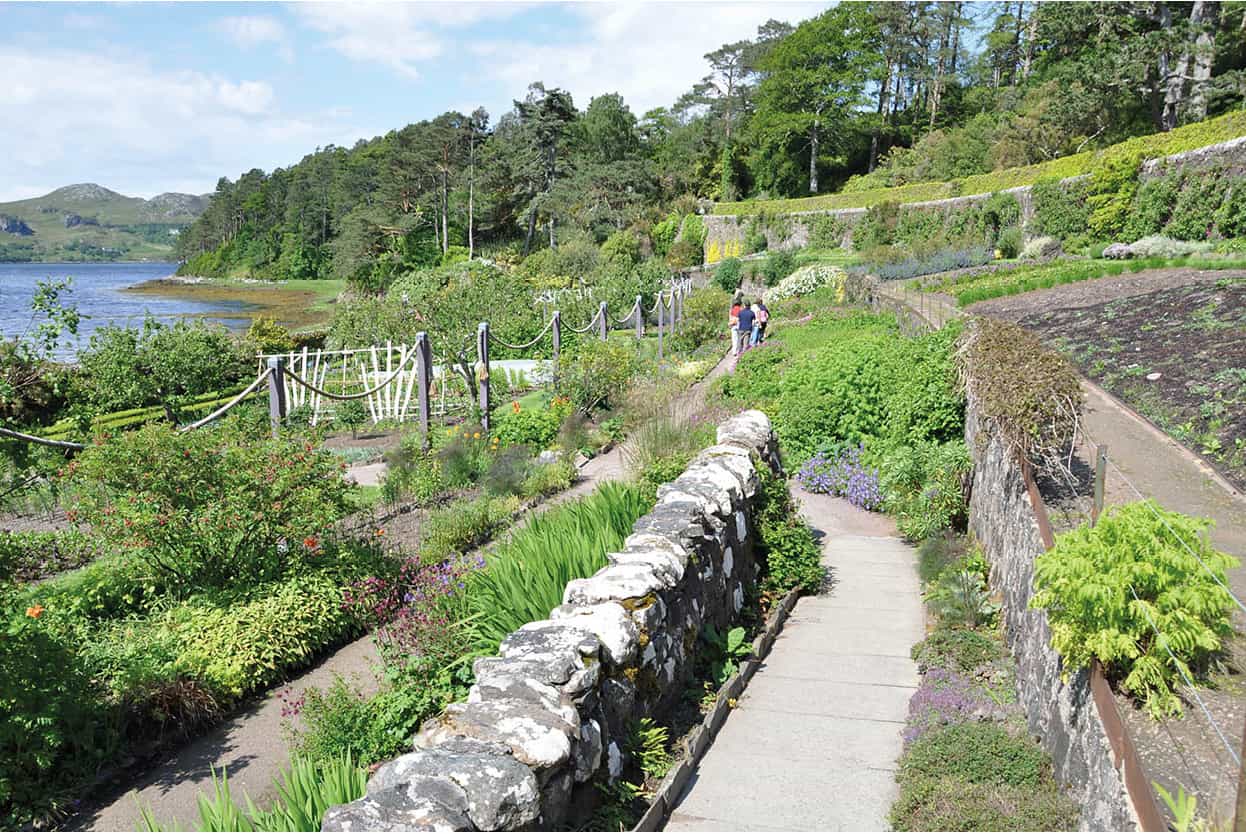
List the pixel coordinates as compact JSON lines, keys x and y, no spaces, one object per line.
{"x":745,"y":320}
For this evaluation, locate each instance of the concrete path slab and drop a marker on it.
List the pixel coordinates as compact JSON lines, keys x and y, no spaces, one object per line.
{"x":813,"y":742}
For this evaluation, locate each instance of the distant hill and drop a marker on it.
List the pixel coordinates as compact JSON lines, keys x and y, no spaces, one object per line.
{"x":87,"y":222}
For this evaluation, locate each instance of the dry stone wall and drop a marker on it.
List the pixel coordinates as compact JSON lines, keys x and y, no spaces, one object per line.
{"x":1061,"y":713}
{"x":548,"y":715}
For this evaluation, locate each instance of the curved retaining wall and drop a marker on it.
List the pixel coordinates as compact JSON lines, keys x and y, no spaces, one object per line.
{"x":546,"y":717}
{"x":1062,"y":714}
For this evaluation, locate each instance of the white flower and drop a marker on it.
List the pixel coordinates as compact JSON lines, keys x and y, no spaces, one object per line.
{"x":802,"y":282}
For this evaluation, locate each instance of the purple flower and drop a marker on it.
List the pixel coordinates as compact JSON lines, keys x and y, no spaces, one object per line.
{"x":843,"y":475}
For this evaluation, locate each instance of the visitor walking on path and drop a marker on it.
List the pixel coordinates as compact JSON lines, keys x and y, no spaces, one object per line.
{"x":763,"y":316}
{"x":733,"y":324}
{"x":746,"y":318}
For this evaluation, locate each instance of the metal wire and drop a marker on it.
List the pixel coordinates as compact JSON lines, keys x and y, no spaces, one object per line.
{"x":246,"y":392}
{"x":361,"y":394}
{"x":525,"y":345}
{"x":1181,"y":670}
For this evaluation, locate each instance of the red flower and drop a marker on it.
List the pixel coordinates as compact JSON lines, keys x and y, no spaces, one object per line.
{"x":311,"y":543}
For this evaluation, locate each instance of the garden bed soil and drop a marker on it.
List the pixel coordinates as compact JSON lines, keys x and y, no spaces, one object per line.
{"x":1170,"y":343}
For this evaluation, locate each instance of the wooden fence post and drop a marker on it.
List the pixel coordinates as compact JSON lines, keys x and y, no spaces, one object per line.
{"x":423,"y":380}
{"x":482,"y":372}
{"x":660,"y":310}
{"x":1101,"y":471}
{"x":640,"y":319}
{"x":556,"y":330}
{"x":603,"y":325}
{"x":276,"y":392}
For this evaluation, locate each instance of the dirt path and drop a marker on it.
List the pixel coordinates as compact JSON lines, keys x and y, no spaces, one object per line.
{"x":252,"y":743}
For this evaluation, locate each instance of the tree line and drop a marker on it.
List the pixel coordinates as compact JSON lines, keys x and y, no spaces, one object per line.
{"x":867,"y":94}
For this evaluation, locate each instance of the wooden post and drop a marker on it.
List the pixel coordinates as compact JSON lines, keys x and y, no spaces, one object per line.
{"x":660,"y":325}
{"x":603,"y":324}
{"x":1101,"y":471}
{"x":640,"y":319}
{"x":423,"y":381}
{"x":556,"y":330}
{"x":276,"y":392}
{"x":482,"y":372}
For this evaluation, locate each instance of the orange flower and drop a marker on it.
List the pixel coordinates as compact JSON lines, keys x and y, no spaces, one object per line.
{"x":311,"y":543}
{"x":515,"y":406}
{"x":35,"y":611}
{"x":380,"y":531}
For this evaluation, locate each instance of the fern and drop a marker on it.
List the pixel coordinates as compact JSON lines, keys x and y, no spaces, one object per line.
{"x":1132,"y":594}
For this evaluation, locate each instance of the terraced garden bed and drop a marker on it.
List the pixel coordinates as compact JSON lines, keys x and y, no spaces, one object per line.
{"x":1176,"y":354}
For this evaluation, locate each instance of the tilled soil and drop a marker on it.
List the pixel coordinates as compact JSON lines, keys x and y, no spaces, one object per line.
{"x":1176,"y":354}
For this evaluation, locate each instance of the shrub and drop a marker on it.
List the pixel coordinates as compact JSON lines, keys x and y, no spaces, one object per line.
{"x":685,"y":253}
{"x":705,"y":319}
{"x":267,"y":336}
{"x":1059,"y":209}
{"x":727,"y":275}
{"x":955,"y":649}
{"x":412,"y":472}
{"x":524,"y":578}
{"x":804,"y":281}
{"x":548,"y":479}
{"x":598,"y":375}
{"x":977,"y":753}
{"x":951,"y":804}
{"x":239,"y":646}
{"x":161,"y":364}
{"x":959,"y":596}
{"x":463,"y":525}
{"x":1152,"y":206}
{"x":209,"y":507}
{"x":1132,"y":593}
{"x":514,"y":425}
{"x":778,"y":265}
{"x":1009,"y":242}
{"x":937,"y":552}
{"x":1159,"y":246}
{"x":878,"y":227}
{"x":55,"y":729}
{"x":911,"y":266}
{"x":350,"y":414}
{"x":1194,"y":215}
{"x":1040,"y":248}
{"x":826,"y":232}
{"x":787,"y":550}
{"x":924,"y":486}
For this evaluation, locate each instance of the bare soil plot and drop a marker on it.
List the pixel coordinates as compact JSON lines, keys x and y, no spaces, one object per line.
{"x":1171,"y":344}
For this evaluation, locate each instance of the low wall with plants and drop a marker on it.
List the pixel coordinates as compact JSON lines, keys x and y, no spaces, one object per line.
{"x":1059,"y":709}
{"x":547,"y":717}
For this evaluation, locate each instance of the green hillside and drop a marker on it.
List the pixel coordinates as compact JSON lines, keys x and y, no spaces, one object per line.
{"x":88,"y":222}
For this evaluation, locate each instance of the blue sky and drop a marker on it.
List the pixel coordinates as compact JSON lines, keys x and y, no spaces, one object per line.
{"x":151,"y":97}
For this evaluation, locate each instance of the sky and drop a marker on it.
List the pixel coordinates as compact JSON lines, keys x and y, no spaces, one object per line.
{"x":145,"y":98}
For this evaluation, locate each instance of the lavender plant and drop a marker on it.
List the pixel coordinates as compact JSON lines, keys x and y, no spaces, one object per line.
{"x":844,"y":475}
{"x":947,"y":697}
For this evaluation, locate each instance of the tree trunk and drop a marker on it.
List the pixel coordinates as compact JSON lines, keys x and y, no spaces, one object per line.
{"x":1014,"y":54}
{"x":445,"y":210}
{"x":527,"y":240}
{"x":956,"y":38}
{"x":884,"y":90}
{"x":1031,"y":32}
{"x":471,"y":199}
{"x":1205,"y":17}
{"x":553,"y":243}
{"x":813,"y":158}
{"x":936,"y":93}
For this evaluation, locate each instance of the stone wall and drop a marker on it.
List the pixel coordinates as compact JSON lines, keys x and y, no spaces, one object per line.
{"x":547,"y":716}
{"x":1062,"y":714}
{"x":725,"y":232}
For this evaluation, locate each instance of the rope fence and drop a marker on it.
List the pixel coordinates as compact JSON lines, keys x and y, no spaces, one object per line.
{"x":307,"y":379}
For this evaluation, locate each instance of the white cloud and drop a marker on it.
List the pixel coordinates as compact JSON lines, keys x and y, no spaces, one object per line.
{"x":251,"y":31}
{"x":649,"y":53}
{"x":399,"y":36}
{"x":75,"y":116}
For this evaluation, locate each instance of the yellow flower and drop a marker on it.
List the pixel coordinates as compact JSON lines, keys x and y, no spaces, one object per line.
{"x":476,"y":436}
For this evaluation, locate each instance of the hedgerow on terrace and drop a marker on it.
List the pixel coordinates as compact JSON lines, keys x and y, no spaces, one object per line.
{"x":1185,"y":138}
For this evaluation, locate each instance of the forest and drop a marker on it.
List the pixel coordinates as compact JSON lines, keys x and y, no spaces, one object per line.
{"x":865,"y":95}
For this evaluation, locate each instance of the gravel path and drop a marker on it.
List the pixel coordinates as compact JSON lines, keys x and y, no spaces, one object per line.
{"x":252,"y":743}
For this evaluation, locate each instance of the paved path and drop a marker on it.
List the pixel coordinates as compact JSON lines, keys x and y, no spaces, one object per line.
{"x":814,"y":741}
